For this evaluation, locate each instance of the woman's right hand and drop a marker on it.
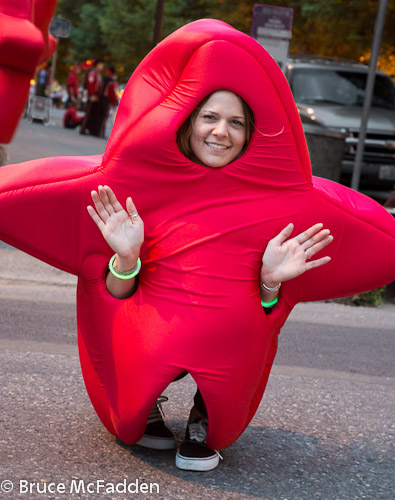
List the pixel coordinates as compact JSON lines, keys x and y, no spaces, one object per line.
{"x":122,"y":229}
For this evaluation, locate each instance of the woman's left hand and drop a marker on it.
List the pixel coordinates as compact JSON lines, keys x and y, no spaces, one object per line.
{"x":285,"y":258}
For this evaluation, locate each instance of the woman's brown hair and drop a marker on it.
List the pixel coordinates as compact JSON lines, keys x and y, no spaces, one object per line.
{"x":185,"y":131}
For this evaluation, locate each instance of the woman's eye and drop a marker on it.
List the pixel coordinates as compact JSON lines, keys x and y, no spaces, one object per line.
{"x":238,"y":123}
{"x":209,"y":117}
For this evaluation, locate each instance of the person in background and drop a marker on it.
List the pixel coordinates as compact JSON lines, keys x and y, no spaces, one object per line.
{"x":43,"y":77}
{"x":73,"y":87}
{"x":92,"y":121}
{"x":109,"y":98}
{"x":55,"y":92}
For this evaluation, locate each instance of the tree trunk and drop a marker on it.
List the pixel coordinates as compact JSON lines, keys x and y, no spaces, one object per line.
{"x":158,"y":21}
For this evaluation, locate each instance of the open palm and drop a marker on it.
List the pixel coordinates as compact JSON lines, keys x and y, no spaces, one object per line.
{"x":285,"y":258}
{"x":122,"y":229}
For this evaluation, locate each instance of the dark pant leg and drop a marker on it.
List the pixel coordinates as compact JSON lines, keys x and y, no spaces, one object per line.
{"x":198,"y":400}
{"x":94,"y":119}
{"x":199,"y":403}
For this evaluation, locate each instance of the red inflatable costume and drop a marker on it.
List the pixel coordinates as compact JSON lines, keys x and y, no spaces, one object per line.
{"x":197,"y":306}
{"x":24,"y":43}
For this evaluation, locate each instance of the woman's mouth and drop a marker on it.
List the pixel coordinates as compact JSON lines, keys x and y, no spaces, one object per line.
{"x":214,"y":145}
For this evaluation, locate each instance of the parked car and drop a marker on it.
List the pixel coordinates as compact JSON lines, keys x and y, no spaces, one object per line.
{"x":331,"y":94}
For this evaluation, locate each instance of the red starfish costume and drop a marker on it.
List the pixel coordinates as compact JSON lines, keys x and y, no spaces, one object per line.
{"x":197,"y":306}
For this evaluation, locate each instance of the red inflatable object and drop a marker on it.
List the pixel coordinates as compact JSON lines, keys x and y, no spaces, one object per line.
{"x":197,"y":306}
{"x":24,"y":43}
{"x":44,"y":11}
{"x":71,"y":119}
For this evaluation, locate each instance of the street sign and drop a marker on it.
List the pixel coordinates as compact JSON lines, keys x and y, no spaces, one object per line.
{"x":275,"y":22}
{"x":272,"y":28}
{"x":59,"y":28}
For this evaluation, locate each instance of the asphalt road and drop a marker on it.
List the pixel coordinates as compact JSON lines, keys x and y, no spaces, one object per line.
{"x":324,"y":429}
{"x":35,"y":140}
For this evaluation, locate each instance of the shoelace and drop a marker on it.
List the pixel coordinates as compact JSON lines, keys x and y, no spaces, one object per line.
{"x":198,"y":432}
{"x":156,"y":414}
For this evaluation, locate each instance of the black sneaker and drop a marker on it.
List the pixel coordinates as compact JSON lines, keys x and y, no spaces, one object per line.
{"x":194,"y":454}
{"x":156,"y":435}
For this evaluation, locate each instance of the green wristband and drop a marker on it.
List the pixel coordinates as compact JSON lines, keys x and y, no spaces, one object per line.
{"x":124,"y":276}
{"x":269,"y":304}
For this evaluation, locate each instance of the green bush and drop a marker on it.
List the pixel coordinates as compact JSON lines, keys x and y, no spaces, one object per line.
{"x":373,"y":298}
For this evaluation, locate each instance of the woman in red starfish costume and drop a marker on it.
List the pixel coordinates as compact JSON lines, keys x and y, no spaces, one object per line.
{"x":216,"y":134}
{"x":197,"y":305}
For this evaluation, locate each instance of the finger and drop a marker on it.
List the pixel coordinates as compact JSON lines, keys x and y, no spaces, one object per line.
{"x":284,"y":234}
{"x":309,"y":233}
{"x":317,"y":247}
{"x":99,"y":206}
{"x":317,"y":238}
{"x":312,"y":264}
{"x":132,"y":210}
{"x":113,"y":199}
{"x":105,"y":200}
{"x":92,"y":212}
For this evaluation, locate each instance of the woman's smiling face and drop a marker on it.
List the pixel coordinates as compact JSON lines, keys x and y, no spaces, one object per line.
{"x":219,"y":131}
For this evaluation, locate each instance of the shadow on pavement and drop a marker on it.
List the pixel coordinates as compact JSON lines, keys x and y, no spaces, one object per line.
{"x":279,"y":464}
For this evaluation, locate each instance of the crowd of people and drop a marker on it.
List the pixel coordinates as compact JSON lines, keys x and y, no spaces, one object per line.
{"x":101,"y":87}
{"x":93,"y":93}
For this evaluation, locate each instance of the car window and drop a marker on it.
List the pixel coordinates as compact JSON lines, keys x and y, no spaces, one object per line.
{"x":345,"y":88}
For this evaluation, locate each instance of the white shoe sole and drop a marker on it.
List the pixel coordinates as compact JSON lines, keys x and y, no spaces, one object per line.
{"x":157,"y":443}
{"x":196,"y":464}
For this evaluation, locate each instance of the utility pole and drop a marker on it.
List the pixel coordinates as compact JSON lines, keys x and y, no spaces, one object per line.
{"x":158,"y":21}
{"x":53,"y":65}
{"x":377,"y":35}
{"x":59,"y":28}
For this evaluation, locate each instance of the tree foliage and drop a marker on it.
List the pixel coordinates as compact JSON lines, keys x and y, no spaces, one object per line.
{"x":87,"y":37}
{"x":122,"y":31}
{"x":127,"y":28}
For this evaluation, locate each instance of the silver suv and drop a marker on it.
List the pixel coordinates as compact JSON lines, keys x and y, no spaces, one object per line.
{"x":331,"y":94}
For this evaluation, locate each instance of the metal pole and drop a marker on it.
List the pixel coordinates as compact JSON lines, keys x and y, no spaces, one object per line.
{"x":158,"y":21}
{"x":377,"y":35}
{"x":53,"y":65}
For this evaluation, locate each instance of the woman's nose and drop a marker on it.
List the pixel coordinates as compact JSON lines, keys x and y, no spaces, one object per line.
{"x":221,"y":129}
